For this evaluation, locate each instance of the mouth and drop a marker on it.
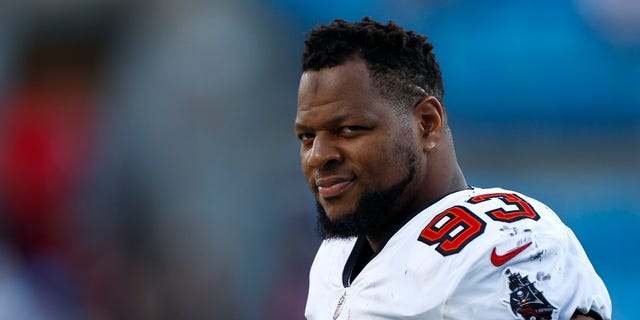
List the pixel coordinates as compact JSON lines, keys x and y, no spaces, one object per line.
{"x":331,"y":188}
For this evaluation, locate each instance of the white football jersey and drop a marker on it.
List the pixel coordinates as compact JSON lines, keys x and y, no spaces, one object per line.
{"x":474,"y":254}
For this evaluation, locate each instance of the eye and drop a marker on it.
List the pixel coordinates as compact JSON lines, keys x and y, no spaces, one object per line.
{"x":349,"y":129}
{"x":305,"y":137}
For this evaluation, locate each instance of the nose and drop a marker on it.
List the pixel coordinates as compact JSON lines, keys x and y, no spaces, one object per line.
{"x":323,"y":153}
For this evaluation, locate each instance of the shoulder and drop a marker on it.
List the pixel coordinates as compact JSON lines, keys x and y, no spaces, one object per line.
{"x":485,"y":218}
{"x":502,"y":242}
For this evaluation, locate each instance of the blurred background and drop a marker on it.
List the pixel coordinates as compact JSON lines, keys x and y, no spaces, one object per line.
{"x":148,"y":167}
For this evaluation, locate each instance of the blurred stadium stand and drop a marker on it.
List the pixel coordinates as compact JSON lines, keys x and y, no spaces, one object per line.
{"x":148,"y":168}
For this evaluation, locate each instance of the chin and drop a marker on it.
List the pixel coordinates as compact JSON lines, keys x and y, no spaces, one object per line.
{"x":337,"y":216}
{"x":333,"y":223}
{"x":336,"y":211}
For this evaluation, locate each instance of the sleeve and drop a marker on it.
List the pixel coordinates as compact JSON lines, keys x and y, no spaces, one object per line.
{"x":531,"y":270}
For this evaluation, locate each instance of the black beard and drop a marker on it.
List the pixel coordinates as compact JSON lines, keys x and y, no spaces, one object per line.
{"x":375,"y":215}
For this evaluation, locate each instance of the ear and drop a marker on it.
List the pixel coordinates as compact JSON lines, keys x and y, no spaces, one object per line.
{"x":431,"y":120}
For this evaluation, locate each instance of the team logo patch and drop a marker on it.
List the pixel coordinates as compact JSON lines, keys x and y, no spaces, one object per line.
{"x":526,"y":301}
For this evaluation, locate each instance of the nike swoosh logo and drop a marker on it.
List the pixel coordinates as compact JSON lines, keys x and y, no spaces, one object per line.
{"x":498,"y":259}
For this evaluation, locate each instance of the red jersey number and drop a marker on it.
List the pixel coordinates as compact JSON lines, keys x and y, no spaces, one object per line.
{"x":523,"y":211}
{"x":457,"y":226}
{"x":452,"y":230}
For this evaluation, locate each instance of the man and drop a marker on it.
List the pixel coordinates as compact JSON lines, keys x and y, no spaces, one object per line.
{"x":405,"y":236}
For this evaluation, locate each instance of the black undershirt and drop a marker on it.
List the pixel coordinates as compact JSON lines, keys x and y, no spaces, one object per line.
{"x":359,"y":257}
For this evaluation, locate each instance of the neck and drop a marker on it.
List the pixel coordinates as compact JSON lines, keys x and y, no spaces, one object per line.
{"x":449,"y":183}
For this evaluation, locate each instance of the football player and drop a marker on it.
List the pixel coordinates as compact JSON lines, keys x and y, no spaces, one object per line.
{"x":405,"y":236}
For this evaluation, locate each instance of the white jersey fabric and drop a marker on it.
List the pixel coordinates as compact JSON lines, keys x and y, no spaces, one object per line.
{"x":474,"y":254}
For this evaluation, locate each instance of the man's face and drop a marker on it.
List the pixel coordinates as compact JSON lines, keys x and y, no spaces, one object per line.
{"x":358,"y":154}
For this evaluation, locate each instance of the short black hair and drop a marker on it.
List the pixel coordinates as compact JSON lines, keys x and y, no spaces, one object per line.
{"x":398,"y":60}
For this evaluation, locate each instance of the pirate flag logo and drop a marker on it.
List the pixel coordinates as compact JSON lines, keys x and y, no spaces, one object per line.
{"x":526,"y":300}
